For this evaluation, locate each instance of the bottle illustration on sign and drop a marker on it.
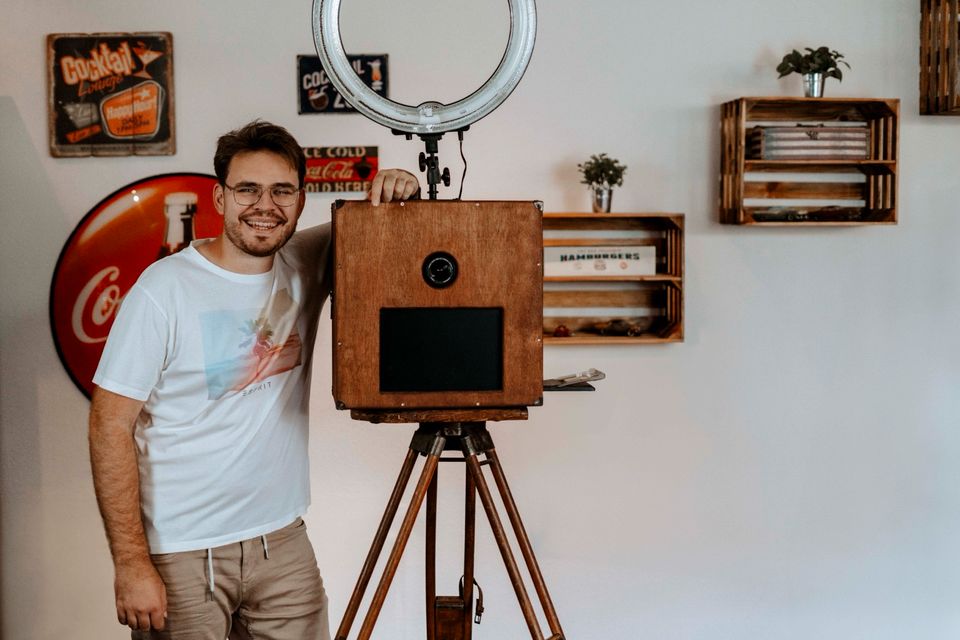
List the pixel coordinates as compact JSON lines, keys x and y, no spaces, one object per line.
{"x":363,"y":168}
{"x":376,"y":77}
{"x":179,"y":208}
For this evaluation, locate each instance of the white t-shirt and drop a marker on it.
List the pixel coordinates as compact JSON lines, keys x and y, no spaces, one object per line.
{"x":222,"y":361}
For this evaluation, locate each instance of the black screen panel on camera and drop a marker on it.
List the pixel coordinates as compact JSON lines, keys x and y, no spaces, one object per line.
{"x":441,"y":349}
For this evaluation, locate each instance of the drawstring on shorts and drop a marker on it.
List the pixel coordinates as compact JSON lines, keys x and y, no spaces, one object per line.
{"x":266,"y":555}
{"x":210,"y":568}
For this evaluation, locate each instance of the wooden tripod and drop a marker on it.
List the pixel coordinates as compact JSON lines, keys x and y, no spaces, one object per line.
{"x":453,"y":622}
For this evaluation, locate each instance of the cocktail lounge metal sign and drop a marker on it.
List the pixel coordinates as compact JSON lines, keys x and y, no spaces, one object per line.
{"x":318,"y":95}
{"x":110,"y":94}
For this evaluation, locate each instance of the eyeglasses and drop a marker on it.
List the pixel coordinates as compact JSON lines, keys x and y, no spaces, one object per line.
{"x":247,"y":195}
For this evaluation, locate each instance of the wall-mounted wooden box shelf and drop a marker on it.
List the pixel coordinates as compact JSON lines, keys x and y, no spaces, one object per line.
{"x":940,"y":57}
{"x":832,"y":190}
{"x":600,"y":307}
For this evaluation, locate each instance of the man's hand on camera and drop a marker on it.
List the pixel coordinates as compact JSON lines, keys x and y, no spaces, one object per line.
{"x":393,"y":184}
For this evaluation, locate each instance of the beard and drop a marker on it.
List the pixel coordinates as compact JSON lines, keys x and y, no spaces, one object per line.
{"x":235,"y":232}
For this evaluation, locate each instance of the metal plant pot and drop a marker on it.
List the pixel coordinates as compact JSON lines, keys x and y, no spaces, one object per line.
{"x":813,"y":85}
{"x":601,"y":199}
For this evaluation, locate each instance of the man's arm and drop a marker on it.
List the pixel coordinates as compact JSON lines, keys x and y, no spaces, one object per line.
{"x":140,"y":594}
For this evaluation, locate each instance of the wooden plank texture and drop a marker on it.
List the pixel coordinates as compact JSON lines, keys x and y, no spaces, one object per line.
{"x":880,"y":116}
{"x":439,"y":415}
{"x":379,"y":253}
{"x":632,"y":297}
{"x":940,"y":57}
{"x":811,"y":190}
{"x":652,"y":306}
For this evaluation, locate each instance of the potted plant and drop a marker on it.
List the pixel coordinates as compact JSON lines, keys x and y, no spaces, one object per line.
{"x":815,"y":66}
{"x":601,"y":174}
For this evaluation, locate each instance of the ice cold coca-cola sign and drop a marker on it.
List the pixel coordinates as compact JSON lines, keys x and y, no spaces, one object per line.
{"x":119,"y":238}
{"x":340,"y":169}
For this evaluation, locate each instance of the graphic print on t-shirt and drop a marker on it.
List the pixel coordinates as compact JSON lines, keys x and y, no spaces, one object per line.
{"x":244,"y":346}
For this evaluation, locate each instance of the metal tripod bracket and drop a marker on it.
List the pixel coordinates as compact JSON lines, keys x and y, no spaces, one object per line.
{"x":429,"y":160}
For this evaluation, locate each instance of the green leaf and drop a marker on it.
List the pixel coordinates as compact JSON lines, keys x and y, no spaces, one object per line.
{"x":820,"y":60}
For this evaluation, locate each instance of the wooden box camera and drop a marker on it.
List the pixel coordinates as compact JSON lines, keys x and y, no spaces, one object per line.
{"x":437,"y":304}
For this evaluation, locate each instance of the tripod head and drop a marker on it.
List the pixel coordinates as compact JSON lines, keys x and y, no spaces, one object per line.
{"x":429,"y":161}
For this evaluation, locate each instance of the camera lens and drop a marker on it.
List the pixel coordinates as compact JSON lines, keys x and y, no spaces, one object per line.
{"x":439,"y":270}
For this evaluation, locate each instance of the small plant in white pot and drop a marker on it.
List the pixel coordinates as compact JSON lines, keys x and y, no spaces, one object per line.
{"x":601,"y":174}
{"x":814,"y":66}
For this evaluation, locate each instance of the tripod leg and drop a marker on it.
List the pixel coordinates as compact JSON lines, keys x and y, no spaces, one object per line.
{"x":469,"y":540}
{"x":431,"y":559}
{"x":416,"y":501}
{"x":473,"y":464}
{"x":391,"y":511}
{"x":525,"y":548}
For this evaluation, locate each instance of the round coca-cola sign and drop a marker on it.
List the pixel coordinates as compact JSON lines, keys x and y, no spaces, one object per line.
{"x":128,"y":230}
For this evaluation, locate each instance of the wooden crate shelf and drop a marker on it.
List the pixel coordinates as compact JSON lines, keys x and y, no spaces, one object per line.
{"x":822,"y":192}
{"x":940,"y":57}
{"x":652,"y":305}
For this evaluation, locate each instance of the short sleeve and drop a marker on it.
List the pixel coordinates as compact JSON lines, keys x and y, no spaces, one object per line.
{"x":312,"y":248}
{"x":136,"y":348}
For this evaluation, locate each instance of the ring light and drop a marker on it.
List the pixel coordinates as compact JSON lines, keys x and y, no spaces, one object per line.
{"x":429,"y":117}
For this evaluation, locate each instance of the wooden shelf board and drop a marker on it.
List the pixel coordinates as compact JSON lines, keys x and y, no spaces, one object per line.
{"x":871,"y":217}
{"x":815,"y":109}
{"x":581,"y":339}
{"x":600,"y":242}
{"x":581,"y":215}
{"x":818,"y":223}
{"x":869,"y":167}
{"x":656,"y":278}
{"x":554,"y":221}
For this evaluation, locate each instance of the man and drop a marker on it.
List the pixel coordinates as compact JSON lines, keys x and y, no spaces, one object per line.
{"x":198,"y":423}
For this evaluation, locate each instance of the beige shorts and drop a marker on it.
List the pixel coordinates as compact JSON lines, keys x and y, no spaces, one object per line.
{"x":267,"y":588}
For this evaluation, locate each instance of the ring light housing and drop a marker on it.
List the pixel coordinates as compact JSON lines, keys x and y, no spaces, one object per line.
{"x":430,"y":117}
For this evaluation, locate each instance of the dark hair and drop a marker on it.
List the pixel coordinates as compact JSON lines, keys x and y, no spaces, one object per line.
{"x":259,"y":136}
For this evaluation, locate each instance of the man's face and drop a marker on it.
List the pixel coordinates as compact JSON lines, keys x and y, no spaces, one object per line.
{"x":258,"y":229}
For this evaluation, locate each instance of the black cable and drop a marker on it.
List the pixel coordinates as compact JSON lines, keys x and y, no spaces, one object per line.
{"x":464,"y":158}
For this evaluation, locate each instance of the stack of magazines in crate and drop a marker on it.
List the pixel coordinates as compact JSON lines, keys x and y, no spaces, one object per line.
{"x":804,"y":142}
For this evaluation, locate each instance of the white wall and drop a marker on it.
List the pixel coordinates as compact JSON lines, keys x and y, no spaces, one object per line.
{"x":789,"y":472}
